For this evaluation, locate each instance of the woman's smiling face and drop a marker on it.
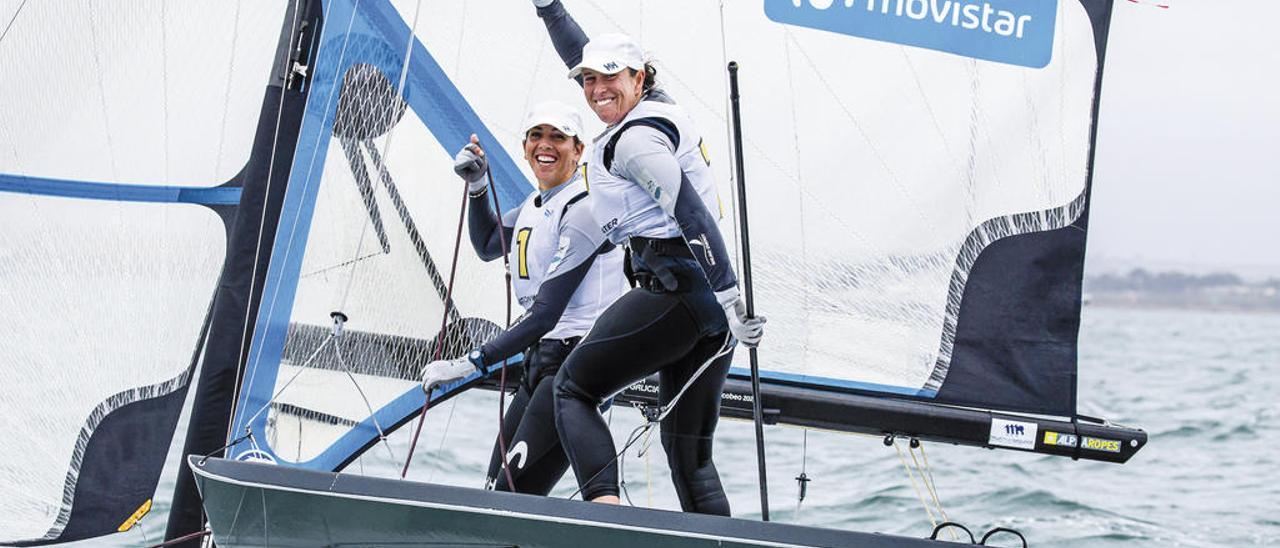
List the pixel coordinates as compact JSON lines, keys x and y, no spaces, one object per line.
{"x":612,"y":96}
{"x":551,"y":154}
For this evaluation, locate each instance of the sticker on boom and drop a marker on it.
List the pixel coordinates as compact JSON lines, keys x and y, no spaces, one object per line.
{"x":1015,"y":434}
{"x":1099,"y":444}
{"x":1016,"y":32}
{"x":1055,"y":438}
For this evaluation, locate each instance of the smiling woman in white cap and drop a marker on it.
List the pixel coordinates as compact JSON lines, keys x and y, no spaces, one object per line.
{"x":653,"y":190}
{"x":563,"y":272}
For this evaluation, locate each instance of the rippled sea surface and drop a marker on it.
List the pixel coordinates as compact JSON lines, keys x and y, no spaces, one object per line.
{"x":1204,"y":385}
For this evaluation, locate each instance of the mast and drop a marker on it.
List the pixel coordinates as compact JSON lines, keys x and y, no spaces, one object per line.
{"x":263,"y":179}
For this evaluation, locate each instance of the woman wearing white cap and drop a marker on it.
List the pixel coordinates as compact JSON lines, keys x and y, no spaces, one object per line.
{"x":652,"y":189}
{"x":564,"y":273}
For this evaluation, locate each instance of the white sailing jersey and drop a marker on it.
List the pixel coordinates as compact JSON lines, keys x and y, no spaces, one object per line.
{"x":554,"y":233}
{"x":622,"y":208}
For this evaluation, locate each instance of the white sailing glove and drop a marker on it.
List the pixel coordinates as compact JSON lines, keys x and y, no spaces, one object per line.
{"x":748,"y":330}
{"x":441,"y":372}
{"x":542,"y":3}
{"x":471,"y":165}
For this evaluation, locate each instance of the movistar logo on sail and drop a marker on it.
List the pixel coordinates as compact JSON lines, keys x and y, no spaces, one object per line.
{"x":1018,"y":32}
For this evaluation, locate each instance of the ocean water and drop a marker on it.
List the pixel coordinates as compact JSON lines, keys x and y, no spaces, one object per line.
{"x":1203,"y":385}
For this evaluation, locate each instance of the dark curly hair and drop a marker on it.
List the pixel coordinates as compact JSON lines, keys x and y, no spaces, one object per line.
{"x":650,"y":77}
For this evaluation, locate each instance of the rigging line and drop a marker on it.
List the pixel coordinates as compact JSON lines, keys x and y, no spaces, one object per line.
{"x":462,"y":32}
{"x":444,"y":323}
{"x":648,"y":473}
{"x":382,"y":434}
{"x":871,"y":144}
{"x":671,"y":405}
{"x":622,"y":465}
{"x":665,"y":409}
{"x":12,"y":19}
{"x":1038,"y":146}
{"x":262,"y":217}
{"x":361,"y":176}
{"x":928,"y":107}
{"x":351,"y":277}
{"x":164,"y":87}
{"x":925,"y":481}
{"x":803,"y":478}
{"x":404,"y":75}
{"x":506,"y":273}
{"x":533,"y":80}
{"x":226,"y":95}
{"x":910,"y":475}
{"x":728,"y":138}
{"x":266,"y":538}
{"x":453,"y":406}
{"x":102,"y":94}
{"x":805,"y":285}
{"x":631,"y":440}
{"x":336,"y":266}
{"x":931,"y":483}
{"x":415,"y":237}
{"x":179,"y":540}
{"x":301,"y":368}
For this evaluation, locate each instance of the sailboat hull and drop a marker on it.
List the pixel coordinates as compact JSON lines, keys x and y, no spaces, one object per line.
{"x":256,"y":504}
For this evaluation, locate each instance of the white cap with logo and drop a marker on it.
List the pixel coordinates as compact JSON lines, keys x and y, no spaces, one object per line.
{"x":609,"y":54}
{"x":555,"y":114}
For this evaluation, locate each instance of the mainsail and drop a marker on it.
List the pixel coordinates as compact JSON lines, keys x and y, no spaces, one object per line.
{"x":920,"y":178}
{"x":919,"y":208}
{"x":128,"y":139}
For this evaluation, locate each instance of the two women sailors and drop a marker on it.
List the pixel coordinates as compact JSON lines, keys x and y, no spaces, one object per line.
{"x":652,"y":189}
{"x":563,"y":273}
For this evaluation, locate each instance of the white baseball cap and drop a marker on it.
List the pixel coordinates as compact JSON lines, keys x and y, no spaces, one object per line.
{"x":555,"y":114}
{"x":609,"y":54}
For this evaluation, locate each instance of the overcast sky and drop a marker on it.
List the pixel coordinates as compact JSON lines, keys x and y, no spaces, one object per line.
{"x":1188,"y":166}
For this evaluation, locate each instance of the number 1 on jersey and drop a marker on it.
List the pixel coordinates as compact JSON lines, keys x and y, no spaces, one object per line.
{"x":522,"y":249}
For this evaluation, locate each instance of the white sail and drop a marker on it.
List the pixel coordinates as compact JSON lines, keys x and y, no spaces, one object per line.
{"x":878,"y":171}
{"x":119,"y":122}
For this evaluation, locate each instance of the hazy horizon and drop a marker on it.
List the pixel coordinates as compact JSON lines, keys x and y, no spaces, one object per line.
{"x":1187,"y":176}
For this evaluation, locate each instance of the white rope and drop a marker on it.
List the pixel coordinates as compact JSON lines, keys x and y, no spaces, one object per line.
{"x":915,"y":486}
{"x":927,"y":476}
{"x":301,"y":368}
{"x":382,"y":435}
{"x":724,"y":349}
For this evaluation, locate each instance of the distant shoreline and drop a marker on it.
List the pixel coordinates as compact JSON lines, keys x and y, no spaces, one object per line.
{"x":1220,"y":292}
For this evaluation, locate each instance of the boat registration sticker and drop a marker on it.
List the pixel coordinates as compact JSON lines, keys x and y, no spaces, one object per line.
{"x":1015,"y":434}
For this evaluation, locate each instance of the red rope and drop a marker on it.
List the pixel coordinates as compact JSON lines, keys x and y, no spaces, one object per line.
{"x":502,"y":375}
{"x":183,"y":538}
{"x":444,"y":323}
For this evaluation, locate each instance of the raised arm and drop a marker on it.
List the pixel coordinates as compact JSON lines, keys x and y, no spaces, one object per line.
{"x":482,"y":221}
{"x":567,"y":37}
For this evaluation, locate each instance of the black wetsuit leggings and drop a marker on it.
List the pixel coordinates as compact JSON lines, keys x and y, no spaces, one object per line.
{"x":537,"y":460}
{"x":645,"y":331}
